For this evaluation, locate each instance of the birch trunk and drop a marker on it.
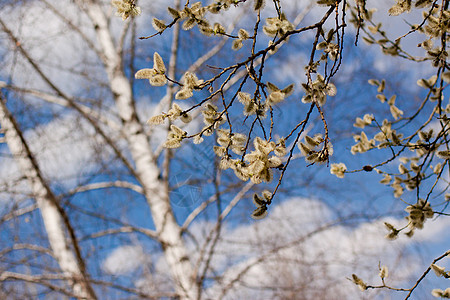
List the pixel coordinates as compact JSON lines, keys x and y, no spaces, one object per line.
{"x":55,"y":220}
{"x":155,"y":189}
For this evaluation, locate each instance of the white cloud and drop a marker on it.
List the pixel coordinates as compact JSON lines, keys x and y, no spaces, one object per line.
{"x":52,"y":43}
{"x":323,"y":260}
{"x":280,"y":251}
{"x":65,"y":149}
{"x":11,"y":181}
{"x":124,"y":259}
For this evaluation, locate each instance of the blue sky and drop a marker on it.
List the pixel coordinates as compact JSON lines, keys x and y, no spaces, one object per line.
{"x":309,"y":196}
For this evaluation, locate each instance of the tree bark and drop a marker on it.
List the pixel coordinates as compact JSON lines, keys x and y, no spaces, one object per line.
{"x":155,"y":190}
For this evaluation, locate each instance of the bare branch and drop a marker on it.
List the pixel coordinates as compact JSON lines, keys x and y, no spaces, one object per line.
{"x":47,"y":80}
{"x":447,"y":253}
{"x":19,"y":212}
{"x":105,"y":185}
{"x":126,"y":229}
{"x":27,"y":247}
{"x":86,"y":111}
{"x":39,"y":279}
{"x":266,"y":256}
{"x":75,"y":28}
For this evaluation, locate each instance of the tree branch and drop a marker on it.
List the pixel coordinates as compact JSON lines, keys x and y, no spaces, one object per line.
{"x":105,"y":185}
{"x":55,"y":218}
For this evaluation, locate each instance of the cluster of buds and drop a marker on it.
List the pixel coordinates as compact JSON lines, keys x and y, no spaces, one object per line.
{"x":190,"y":83}
{"x":227,"y":140}
{"x":386,"y":137}
{"x":250,"y":105}
{"x":418,"y":214}
{"x":318,"y":90}
{"x":242,"y":36}
{"x":195,"y":15}
{"x":173,"y":114}
{"x":338,"y":170}
{"x":365,"y":121}
{"x":437,"y":23}
{"x":261,"y":204}
{"x":363,"y":143}
{"x":277,"y":95}
{"x":279,"y":25}
{"x":440,"y":271}
{"x":126,"y":8}
{"x":438,"y":293}
{"x":315,"y":150}
{"x":156,"y":75}
{"x":259,"y":163}
{"x":174,"y":137}
{"x":395,"y":111}
{"x":331,"y":49}
{"x":212,"y":119}
{"x":393,"y":232}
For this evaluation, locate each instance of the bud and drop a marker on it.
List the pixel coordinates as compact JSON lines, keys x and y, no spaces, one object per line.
{"x":259,"y":4}
{"x":156,"y":120}
{"x":158,"y":25}
{"x":383,"y":272}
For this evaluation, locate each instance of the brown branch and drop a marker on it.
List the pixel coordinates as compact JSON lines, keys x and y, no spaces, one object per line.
{"x":39,"y":279}
{"x":125,"y":229}
{"x":105,"y":185}
{"x":447,"y":253}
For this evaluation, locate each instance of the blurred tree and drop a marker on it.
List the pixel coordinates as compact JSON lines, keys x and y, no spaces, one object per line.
{"x":89,"y":175}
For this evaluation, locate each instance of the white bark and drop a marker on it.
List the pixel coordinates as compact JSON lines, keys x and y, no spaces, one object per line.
{"x":155,"y":189}
{"x":54,"y":222}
